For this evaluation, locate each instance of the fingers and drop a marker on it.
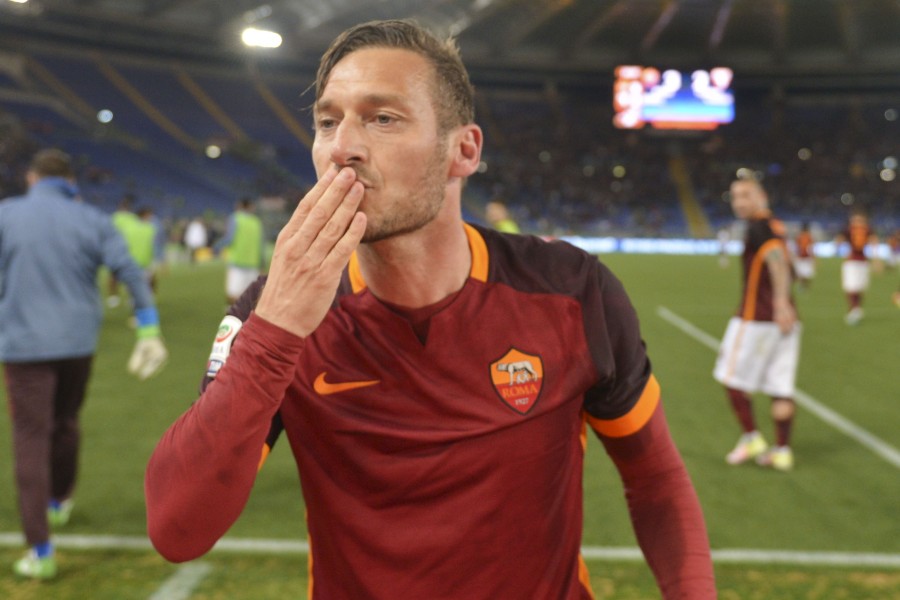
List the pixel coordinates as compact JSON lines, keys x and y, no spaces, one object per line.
{"x":341,"y":250}
{"x":322,"y":218}
{"x":327,"y":228}
{"x":312,"y":197}
{"x":311,"y":252}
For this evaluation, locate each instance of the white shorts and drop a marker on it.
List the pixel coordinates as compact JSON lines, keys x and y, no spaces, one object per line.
{"x":238,"y":279}
{"x":756,"y":357}
{"x":805,"y":268}
{"x":855,"y":276}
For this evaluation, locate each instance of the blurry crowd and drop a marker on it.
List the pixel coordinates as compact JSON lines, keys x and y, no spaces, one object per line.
{"x":562,"y":168}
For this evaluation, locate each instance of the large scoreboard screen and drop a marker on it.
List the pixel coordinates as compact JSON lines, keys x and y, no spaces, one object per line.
{"x":672,"y":99}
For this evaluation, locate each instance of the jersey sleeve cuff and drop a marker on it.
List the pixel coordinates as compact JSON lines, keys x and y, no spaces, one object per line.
{"x":269,"y":331}
{"x":634,"y":419}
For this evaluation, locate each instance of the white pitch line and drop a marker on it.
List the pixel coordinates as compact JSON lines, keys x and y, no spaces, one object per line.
{"x":183,"y":582}
{"x":791,"y":557}
{"x":839,"y":422}
{"x":300,"y":547}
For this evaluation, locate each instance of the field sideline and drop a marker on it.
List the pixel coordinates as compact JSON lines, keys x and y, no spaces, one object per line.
{"x":774,"y":535}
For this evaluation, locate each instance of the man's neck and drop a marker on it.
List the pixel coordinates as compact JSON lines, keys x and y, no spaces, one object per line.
{"x":420,"y":268}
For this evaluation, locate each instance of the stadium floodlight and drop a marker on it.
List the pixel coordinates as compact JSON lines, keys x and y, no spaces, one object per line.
{"x":19,"y":1}
{"x":260,"y":38}
{"x":105,"y":115}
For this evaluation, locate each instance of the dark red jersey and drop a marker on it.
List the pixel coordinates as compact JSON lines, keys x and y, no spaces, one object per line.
{"x":804,"y":243}
{"x":449,"y":467}
{"x":857,"y":236}
{"x":763,"y":235}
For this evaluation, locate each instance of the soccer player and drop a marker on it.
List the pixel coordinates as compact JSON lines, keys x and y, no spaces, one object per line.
{"x":804,"y":258}
{"x":435,"y":379}
{"x":245,"y":241}
{"x":498,"y":216}
{"x":761,"y":346}
{"x":51,"y":247}
{"x":125,"y":221}
{"x":855,"y":268}
{"x":195,"y":238}
{"x":149,"y":245}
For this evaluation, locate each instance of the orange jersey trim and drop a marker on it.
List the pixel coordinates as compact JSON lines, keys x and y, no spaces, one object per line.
{"x":633,"y":420}
{"x":754,"y":276}
{"x":357,"y":283}
{"x":263,"y":456}
{"x":480,"y":261}
{"x":584,"y":576}
{"x":478,"y":270}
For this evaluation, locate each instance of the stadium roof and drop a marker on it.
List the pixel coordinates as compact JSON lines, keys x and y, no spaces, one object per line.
{"x":760,"y":37}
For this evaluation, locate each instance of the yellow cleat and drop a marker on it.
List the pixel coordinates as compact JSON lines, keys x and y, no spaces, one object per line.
{"x":33,"y":567}
{"x":780,"y":459}
{"x":749,"y":446}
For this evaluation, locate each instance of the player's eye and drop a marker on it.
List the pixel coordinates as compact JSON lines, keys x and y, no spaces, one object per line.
{"x":325,"y":123}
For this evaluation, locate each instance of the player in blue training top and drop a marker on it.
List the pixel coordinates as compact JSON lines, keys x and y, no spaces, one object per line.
{"x":51,"y":247}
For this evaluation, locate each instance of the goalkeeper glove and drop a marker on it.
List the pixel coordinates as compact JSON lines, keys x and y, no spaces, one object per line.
{"x":149,"y":354}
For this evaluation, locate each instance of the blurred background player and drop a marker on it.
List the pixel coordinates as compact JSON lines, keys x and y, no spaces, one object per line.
{"x":498,"y":216}
{"x":125,"y":221}
{"x":761,"y":346}
{"x":724,"y":237}
{"x":855,"y":268}
{"x":150,"y":245}
{"x":50,"y":311}
{"x":195,"y":237}
{"x":244,"y":241}
{"x":804,"y":257}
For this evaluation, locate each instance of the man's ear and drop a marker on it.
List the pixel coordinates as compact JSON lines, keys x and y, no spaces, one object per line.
{"x":467,"y":141}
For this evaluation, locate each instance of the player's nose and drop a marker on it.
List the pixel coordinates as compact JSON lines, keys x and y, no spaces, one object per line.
{"x":348,"y":144}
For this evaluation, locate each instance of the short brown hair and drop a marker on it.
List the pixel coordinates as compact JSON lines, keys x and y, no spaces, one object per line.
{"x":52,"y":163}
{"x":453,"y":94}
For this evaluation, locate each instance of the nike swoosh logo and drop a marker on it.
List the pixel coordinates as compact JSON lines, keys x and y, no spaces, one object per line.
{"x":324,"y":388}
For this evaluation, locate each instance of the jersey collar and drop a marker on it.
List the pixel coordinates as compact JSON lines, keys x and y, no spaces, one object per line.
{"x":478,"y":270}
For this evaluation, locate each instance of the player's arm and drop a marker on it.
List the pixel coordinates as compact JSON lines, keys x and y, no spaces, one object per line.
{"x":778,"y":263}
{"x":201,"y":473}
{"x":625,"y":411}
{"x":227,"y":334}
{"x":664,"y":508}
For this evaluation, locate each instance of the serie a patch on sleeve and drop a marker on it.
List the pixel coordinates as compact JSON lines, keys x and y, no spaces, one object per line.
{"x":221,"y":348}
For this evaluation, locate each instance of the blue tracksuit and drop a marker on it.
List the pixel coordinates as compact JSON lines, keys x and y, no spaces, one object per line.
{"x":51,"y":247}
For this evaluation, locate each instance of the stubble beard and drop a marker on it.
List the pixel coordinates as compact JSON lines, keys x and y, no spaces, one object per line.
{"x":424,"y":205}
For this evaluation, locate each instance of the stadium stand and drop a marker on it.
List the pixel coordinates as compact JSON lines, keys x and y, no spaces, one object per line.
{"x":551,"y":154}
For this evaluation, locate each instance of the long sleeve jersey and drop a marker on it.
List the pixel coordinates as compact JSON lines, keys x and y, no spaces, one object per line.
{"x":449,"y":466}
{"x":51,"y":247}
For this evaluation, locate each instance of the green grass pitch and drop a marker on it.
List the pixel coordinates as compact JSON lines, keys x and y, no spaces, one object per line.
{"x":842,"y":497}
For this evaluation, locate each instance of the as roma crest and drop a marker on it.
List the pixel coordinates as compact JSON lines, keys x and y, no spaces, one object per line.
{"x":518,"y":378}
